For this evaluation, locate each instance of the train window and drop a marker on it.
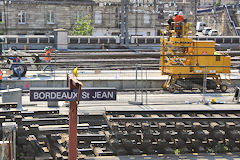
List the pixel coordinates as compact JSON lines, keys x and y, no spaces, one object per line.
{"x":218,"y":58}
{"x":150,"y":40}
{"x":83,"y":40}
{"x":227,"y":40}
{"x":202,"y":39}
{"x":43,"y":40}
{"x":141,"y":40}
{"x":73,"y":40}
{"x":22,"y":40}
{"x":11,"y":40}
{"x":103,"y":40}
{"x":112,"y":41}
{"x":219,"y":40}
{"x":32,"y":40}
{"x":235,"y":40}
{"x":93,"y":40}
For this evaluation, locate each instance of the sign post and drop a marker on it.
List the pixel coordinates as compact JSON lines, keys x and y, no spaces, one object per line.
{"x":73,"y":84}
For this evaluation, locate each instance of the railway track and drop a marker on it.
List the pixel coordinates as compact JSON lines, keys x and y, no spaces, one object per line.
{"x":113,"y":60}
{"x":129,"y":132}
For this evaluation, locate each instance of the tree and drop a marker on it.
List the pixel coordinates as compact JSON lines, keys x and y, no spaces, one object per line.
{"x":82,"y":27}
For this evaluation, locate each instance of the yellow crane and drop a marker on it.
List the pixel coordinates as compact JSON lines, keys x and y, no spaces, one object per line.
{"x":187,"y":61}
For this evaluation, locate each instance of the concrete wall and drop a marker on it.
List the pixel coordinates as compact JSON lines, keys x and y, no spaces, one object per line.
{"x":119,"y":84}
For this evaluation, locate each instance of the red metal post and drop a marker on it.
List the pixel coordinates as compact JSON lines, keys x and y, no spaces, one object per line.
{"x":72,"y":153}
{"x":9,"y":148}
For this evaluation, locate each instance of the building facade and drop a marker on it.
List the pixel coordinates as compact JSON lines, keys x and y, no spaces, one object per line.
{"x":38,"y":17}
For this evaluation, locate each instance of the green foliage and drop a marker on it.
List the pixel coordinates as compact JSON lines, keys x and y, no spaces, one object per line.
{"x":82,"y":27}
{"x":176,"y":151}
{"x":218,"y":3}
{"x":210,"y":150}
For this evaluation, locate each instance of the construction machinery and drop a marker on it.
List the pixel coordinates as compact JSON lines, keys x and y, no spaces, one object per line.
{"x":191,"y":63}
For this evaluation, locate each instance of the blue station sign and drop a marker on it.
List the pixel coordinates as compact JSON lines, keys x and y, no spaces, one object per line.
{"x":65,"y":94}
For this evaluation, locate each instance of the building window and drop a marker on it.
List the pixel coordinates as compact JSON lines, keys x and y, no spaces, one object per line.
{"x":98,"y":17}
{"x":1,"y":17}
{"x":22,"y":17}
{"x":146,"y":18}
{"x":51,"y":16}
{"x":79,"y":15}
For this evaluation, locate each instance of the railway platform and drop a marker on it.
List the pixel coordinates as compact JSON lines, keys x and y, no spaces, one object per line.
{"x":120,"y":79}
{"x":155,"y":101}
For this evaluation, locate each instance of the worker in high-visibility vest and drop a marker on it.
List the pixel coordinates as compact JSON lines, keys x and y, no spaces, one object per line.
{"x":1,"y":76}
{"x":48,"y":58}
{"x":16,"y":67}
{"x":179,"y":19}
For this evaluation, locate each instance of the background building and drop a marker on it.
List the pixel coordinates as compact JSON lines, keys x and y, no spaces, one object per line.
{"x":38,"y":17}
{"x":41,"y":17}
{"x":145,"y":17}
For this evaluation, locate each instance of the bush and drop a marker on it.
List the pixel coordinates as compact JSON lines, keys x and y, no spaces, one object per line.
{"x":82,"y":27}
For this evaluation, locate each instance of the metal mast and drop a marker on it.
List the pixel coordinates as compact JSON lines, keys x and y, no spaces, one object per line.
{"x":124,"y":23}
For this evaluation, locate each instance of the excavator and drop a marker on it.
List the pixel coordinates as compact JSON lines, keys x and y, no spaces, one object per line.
{"x":191,"y":63}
